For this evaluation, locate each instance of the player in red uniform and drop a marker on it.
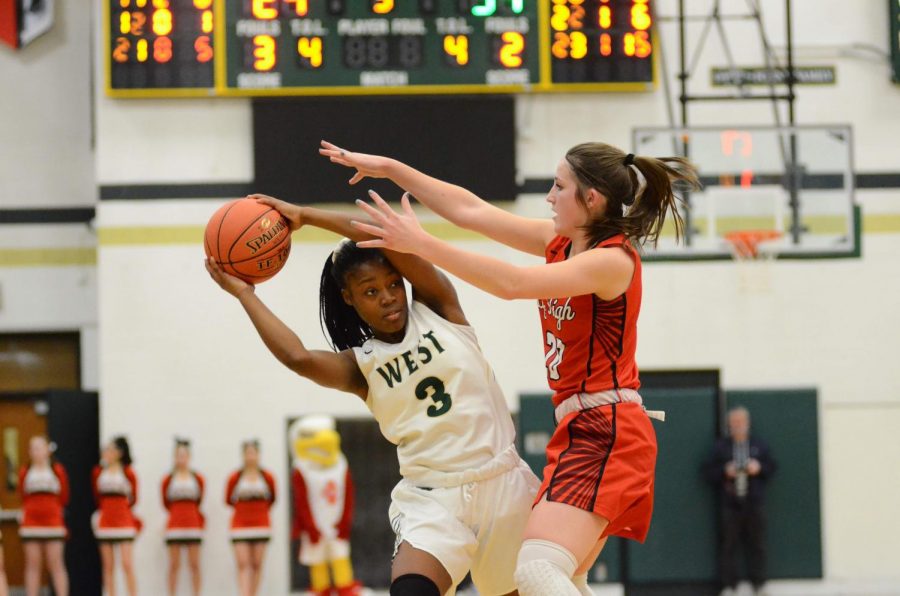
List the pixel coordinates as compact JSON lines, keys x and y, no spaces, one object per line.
{"x":44,"y":489}
{"x":182,"y":492}
{"x":601,"y":459}
{"x":251,"y":491}
{"x":115,"y":491}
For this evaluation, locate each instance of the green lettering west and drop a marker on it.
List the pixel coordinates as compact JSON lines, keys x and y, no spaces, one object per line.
{"x":392,"y":374}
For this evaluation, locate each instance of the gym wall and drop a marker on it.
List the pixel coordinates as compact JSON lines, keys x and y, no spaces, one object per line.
{"x":48,"y":271}
{"x":179,"y":356}
{"x":176,"y":355}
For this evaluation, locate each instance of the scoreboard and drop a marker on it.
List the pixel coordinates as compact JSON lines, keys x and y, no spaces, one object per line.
{"x":379,"y":45}
{"x":165,"y":47}
{"x":342,"y":47}
{"x":600,"y":41}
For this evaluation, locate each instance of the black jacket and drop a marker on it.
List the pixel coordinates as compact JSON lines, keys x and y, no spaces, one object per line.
{"x":715,"y":471}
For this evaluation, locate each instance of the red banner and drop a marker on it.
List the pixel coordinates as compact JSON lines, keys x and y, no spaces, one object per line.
{"x":9,"y":22}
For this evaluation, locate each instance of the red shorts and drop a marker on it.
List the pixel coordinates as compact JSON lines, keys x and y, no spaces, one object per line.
{"x":603,"y":460}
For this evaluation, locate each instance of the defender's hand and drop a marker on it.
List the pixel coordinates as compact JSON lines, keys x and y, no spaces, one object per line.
{"x":372,"y":166}
{"x":400,"y":232}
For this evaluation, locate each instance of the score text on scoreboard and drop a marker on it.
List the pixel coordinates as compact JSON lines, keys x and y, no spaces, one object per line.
{"x":159,"y":45}
{"x":600,"y":41}
{"x":380,"y":46}
{"x":322,"y":47}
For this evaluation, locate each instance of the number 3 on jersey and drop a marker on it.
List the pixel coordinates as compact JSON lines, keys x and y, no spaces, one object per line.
{"x":553,"y":357}
{"x":433,"y":388}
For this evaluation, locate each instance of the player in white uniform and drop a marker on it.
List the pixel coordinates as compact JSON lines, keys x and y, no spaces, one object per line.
{"x":465,"y":495}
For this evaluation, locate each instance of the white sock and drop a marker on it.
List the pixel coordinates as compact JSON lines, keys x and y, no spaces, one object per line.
{"x":545,"y":568}
{"x":581,"y":585}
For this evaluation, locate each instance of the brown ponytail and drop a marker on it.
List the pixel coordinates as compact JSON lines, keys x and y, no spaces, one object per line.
{"x":635,"y":211}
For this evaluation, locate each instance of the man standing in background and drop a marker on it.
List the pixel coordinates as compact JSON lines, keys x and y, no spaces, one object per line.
{"x":740,"y":467}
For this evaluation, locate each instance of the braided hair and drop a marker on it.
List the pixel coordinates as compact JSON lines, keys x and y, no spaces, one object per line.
{"x":341,"y":324}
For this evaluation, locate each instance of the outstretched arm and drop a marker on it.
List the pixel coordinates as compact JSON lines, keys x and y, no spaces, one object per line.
{"x":430,"y":286}
{"x":605,"y":272}
{"x":453,"y":203}
{"x":329,"y":369}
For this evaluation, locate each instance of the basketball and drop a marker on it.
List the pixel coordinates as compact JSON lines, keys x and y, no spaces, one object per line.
{"x":248,"y":240}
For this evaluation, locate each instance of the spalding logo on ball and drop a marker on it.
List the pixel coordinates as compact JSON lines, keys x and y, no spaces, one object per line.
{"x":249,"y":240}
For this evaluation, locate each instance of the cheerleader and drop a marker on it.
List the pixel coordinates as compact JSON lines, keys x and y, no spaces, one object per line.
{"x":115,"y":491}
{"x":4,"y":588}
{"x":251,"y":492}
{"x":44,"y":489}
{"x":182,"y":491}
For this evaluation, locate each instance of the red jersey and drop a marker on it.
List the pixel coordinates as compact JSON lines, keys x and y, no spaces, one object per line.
{"x":115,"y":493}
{"x":44,"y":492}
{"x":181,"y":498}
{"x":589,"y":342}
{"x":251,"y":500}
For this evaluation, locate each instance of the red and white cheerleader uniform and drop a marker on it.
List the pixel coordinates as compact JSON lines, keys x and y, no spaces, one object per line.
{"x":181,"y":497}
{"x":44,"y":492}
{"x":251,"y":500}
{"x":115,"y":493}
{"x":323,"y":510}
{"x":602,"y":456}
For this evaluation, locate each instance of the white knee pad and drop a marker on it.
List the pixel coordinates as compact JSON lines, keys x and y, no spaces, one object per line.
{"x":544,"y":568}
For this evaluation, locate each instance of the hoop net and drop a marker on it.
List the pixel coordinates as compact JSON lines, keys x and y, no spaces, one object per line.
{"x":754,"y":259}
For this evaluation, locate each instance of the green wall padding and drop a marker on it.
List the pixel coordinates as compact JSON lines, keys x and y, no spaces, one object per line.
{"x":681,"y":546}
{"x":787,"y":419}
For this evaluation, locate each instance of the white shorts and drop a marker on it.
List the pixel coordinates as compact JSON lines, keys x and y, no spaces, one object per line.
{"x":474,"y":527}
{"x":323,"y":551}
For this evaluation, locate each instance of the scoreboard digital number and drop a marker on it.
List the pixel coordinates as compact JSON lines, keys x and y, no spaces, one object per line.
{"x":596,"y":41}
{"x":160,"y":45}
{"x":380,"y":46}
{"x":322,"y":47}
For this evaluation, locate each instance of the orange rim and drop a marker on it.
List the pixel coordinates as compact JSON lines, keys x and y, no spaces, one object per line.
{"x":746,"y":242}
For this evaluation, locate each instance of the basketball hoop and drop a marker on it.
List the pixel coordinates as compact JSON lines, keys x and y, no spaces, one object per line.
{"x":745,"y":244}
{"x":754,"y":251}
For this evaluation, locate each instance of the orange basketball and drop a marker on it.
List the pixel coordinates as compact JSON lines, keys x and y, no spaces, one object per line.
{"x":249,"y":240}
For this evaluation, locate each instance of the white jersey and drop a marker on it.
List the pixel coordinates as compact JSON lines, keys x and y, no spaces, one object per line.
{"x":113,"y":483}
{"x":183,"y":488}
{"x":41,"y":480}
{"x":435,"y":397}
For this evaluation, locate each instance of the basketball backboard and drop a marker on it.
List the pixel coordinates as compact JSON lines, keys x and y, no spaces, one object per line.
{"x":750,"y":183}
